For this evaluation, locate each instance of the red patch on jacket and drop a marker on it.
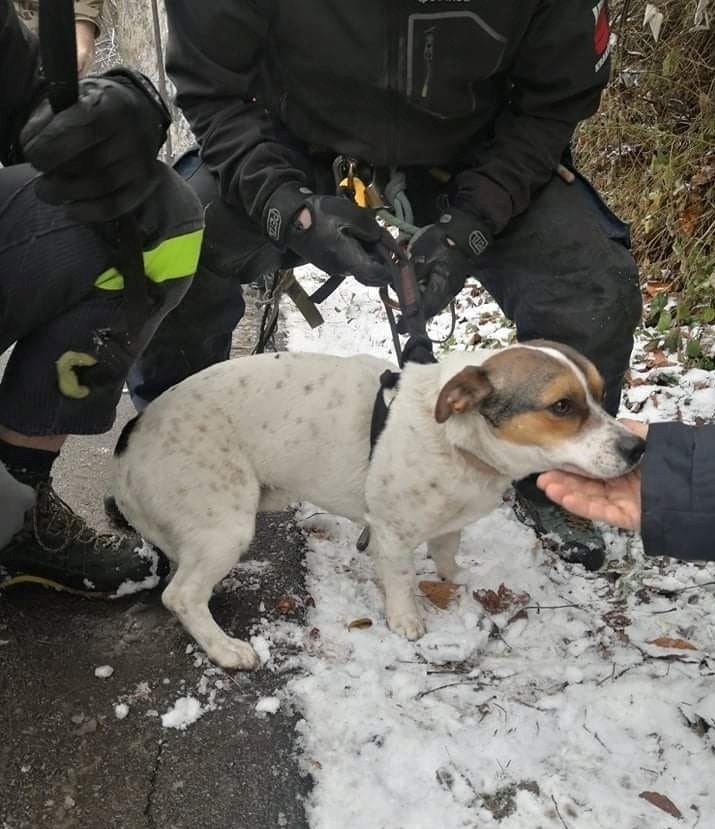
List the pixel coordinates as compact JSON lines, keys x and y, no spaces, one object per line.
{"x":602,"y":29}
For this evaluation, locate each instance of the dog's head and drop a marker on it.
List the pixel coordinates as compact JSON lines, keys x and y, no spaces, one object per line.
{"x":534,"y":407}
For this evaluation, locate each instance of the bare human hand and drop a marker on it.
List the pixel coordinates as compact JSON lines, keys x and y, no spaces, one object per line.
{"x":616,"y":501}
{"x":85,"y":32}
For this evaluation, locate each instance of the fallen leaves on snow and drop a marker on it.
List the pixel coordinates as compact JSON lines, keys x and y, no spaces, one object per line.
{"x":360,"y":624}
{"x":439,"y":593}
{"x":662,"y":802}
{"x":667,"y":642}
{"x":501,"y":600}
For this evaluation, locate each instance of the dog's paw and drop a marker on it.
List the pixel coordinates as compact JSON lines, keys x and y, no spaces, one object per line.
{"x":406,"y":624}
{"x":233,"y":654}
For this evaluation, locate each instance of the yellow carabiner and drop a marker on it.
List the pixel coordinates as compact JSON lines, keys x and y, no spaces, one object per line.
{"x":356,"y":186}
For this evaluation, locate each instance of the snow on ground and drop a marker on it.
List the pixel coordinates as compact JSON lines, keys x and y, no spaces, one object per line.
{"x":560,"y":699}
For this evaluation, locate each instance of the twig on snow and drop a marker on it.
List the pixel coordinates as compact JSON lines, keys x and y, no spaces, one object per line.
{"x":558,"y":812}
{"x":441,"y":687}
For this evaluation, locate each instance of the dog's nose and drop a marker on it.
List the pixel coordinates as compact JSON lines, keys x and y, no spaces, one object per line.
{"x":631,"y":448}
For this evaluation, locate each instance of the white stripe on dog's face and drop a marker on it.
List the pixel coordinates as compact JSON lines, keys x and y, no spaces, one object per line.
{"x":544,"y":412}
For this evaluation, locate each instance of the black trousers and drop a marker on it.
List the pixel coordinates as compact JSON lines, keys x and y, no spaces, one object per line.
{"x":562,"y":271}
{"x":50,"y":305}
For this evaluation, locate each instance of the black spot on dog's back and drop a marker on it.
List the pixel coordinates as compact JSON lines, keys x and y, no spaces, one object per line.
{"x":125,"y":434}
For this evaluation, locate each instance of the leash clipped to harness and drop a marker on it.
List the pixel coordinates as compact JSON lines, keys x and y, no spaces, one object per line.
{"x":358,"y":182}
{"x":58,"y":48}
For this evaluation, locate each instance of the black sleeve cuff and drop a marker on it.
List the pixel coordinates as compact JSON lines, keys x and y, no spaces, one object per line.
{"x":281,"y":208}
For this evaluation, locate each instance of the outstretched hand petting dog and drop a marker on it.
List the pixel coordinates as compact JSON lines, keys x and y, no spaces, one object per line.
{"x":616,"y":501}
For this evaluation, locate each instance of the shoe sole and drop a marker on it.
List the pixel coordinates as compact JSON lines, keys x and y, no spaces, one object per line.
{"x":592,"y":561}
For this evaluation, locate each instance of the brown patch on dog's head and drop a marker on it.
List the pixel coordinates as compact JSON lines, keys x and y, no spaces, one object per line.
{"x":464,"y":392}
{"x":590,"y":372}
{"x":537,"y":399}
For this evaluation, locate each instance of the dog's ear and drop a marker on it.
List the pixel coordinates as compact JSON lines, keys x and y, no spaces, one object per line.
{"x":464,"y":392}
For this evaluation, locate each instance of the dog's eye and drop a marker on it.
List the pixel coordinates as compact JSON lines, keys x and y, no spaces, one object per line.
{"x":561,"y":407}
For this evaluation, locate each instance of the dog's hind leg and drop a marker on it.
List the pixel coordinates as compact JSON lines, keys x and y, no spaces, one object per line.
{"x":205,"y":557}
{"x":443,"y":550}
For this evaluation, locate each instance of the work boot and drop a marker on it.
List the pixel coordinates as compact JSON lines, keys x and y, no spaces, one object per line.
{"x":574,"y":539}
{"x":56,"y":548}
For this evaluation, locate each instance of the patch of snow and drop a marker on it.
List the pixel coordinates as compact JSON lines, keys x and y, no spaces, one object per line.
{"x":129,"y":587}
{"x":121,"y":710}
{"x":185,"y":712}
{"x":268,"y":705}
{"x":562,"y":716}
{"x":262,"y":648}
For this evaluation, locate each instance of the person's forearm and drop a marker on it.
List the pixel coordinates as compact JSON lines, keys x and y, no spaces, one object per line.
{"x":557,"y":77}
{"x":85,"y":33}
{"x":215,"y":82}
{"x":678,"y":491}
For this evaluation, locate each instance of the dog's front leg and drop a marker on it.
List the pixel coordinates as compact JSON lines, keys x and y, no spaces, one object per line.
{"x":397,"y":572}
{"x":443,"y":550}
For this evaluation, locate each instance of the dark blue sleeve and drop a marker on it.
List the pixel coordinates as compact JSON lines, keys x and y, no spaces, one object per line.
{"x":678,"y":492}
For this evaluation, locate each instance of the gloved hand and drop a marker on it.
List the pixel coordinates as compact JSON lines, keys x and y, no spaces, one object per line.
{"x":98,"y":157}
{"x":444,"y":254}
{"x":332,"y":232}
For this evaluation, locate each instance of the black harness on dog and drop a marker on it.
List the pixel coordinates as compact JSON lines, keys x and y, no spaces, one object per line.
{"x":417,"y":350}
{"x":381,"y":409}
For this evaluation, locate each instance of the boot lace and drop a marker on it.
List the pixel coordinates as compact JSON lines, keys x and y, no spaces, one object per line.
{"x":53,"y":516}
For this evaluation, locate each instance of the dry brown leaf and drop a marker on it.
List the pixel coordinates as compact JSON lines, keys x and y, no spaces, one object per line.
{"x":287,"y":604}
{"x":520,"y":614}
{"x":657,"y":359}
{"x":662,"y":802}
{"x":440,"y":593}
{"x":360,"y":624}
{"x":690,"y":217}
{"x":488,"y":599}
{"x":653,"y":287}
{"x":667,"y":642}
{"x":501,"y":599}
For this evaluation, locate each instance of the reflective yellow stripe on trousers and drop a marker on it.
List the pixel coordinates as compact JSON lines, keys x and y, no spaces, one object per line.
{"x":174,"y":258}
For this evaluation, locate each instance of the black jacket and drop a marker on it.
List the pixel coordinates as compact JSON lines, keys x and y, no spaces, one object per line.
{"x":678,"y":491}
{"x":20,"y":84}
{"x":493,"y":86}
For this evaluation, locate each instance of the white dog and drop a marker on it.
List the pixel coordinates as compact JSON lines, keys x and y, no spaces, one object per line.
{"x":256,"y":433}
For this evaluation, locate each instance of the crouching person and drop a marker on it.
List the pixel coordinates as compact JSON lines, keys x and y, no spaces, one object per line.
{"x":64,"y":307}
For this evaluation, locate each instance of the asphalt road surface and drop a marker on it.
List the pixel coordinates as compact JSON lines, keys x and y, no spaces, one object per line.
{"x":68,"y":762}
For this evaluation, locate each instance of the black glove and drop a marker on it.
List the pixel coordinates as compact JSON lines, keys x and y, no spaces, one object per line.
{"x":444,"y":254}
{"x":98,"y":157}
{"x":342,"y":238}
